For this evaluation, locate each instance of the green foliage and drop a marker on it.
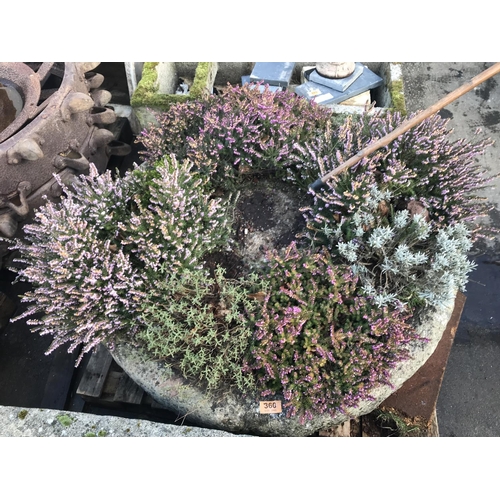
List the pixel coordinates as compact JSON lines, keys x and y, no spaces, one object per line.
{"x":320,"y":341}
{"x":92,"y":257}
{"x":174,"y":220}
{"x":400,"y":257}
{"x":395,"y":424}
{"x":202,"y":325}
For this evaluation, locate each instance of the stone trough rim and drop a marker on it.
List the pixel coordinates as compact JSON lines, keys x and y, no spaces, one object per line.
{"x":237,"y":413}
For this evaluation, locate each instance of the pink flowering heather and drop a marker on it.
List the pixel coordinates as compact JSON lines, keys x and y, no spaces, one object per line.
{"x":175,"y":220}
{"x":332,"y":324}
{"x":243,"y":129}
{"x":321,"y":343}
{"x":93,"y":257}
{"x":423,"y":165}
{"x":387,"y":217}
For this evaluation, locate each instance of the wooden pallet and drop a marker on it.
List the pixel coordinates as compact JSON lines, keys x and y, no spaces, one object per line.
{"x":104,"y":381}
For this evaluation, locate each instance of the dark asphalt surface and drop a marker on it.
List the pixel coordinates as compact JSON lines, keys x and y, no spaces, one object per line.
{"x":469,"y":400}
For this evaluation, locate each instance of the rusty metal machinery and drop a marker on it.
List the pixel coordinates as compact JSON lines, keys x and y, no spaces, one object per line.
{"x":53,"y":119}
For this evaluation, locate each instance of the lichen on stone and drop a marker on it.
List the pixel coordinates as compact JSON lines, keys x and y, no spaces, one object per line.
{"x":65,"y":420}
{"x":22,"y":414}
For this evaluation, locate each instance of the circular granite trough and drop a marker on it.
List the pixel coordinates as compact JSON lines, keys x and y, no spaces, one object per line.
{"x":231,"y":411}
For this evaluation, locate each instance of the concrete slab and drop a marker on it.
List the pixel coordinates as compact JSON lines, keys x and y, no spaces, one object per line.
{"x":37,"y":422}
{"x":277,"y":74}
{"x":469,"y":401}
{"x":426,"y":83}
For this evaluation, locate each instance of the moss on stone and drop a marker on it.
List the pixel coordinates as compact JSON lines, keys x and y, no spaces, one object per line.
{"x":64,"y":420}
{"x":396,"y":90}
{"x":147,"y":86}
{"x":93,"y":434}
{"x":22,"y":414}
{"x":202,"y":79}
{"x":146,"y":93}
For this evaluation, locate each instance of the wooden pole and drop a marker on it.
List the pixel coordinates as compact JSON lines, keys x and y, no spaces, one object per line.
{"x":420,"y":117}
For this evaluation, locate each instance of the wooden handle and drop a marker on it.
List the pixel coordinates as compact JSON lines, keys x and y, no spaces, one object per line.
{"x":420,"y":117}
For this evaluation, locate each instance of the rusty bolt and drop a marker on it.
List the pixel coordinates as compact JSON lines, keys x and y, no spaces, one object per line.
{"x":94,"y":80}
{"x":26,"y":149}
{"x":75,"y":102}
{"x":85,"y":67}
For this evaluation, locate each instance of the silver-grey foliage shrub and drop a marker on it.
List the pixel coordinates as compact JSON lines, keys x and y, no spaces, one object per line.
{"x":401,"y":258}
{"x":403,"y":218}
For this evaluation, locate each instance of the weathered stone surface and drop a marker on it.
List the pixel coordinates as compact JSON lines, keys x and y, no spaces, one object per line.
{"x":37,"y":422}
{"x":167,"y":77}
{"x":143,"y":118}
{"x":234,"y":412}
{"x":335,"y":69}
{"x":209,"y":80}
{"x":342,"y":430}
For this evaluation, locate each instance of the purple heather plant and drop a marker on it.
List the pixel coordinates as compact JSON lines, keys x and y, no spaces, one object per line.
{"x":324,"y":337}
{"x":175,"y":220}
{"x":421,"y":176}
{"x":241,"y":130}
{"x":353,"y":217}
{"x":92,"y":258}
{"x":320,"y":341}
{"x":421,"y":165}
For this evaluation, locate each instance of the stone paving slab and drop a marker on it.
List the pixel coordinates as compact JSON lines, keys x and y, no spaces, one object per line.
{"x":37,"y":422}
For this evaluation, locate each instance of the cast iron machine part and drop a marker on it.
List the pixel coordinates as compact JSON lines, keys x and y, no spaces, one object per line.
{"x":60,"y":129}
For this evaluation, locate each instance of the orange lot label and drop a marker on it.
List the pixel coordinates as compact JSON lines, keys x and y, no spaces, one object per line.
{"x":270,"y":406}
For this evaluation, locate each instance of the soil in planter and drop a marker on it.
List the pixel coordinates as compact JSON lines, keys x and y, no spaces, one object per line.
{"x":266,"y":218}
